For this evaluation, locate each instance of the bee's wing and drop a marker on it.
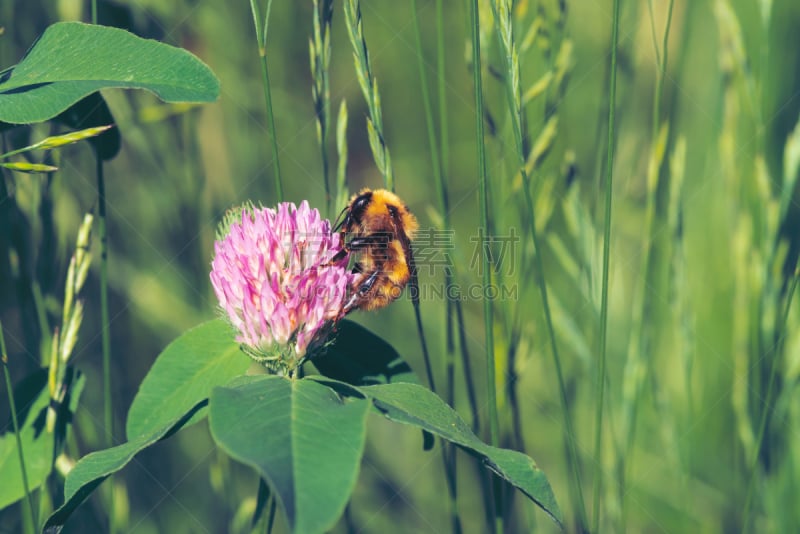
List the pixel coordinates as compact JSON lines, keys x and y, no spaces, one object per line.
{"x":413,"y":281}
{"x":413,"y":288}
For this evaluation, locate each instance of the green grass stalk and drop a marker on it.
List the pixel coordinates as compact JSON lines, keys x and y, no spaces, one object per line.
{"x":108,"y":408}
{"x":341,"y":152}
{"x":444,"y":151}
{"x":653,"y":31}
{"x":763,"y":74}
{"x":439,"y":157}
{"x":483,"y":201}
{"x":271,"y":517}
{"x":470,"y":382}
{"x":444,"y":132}
{"x":426,"y":100}
{"x":44,"y":325}
{"x":320,"y":54}
{"x":636,"y":346}
{"x":9,"y":390}
{"x":263,"y":495}
{"x":428,"y":109}
{"x":550,"y":107}
{"x":502,"y":13}
{"x":681,"y":312}
{"x":444,"y":206}
{"x":108,"y":412}
{"x":261,"y":39}
{"x":448,"y":451}
{"x":377,"y":142}
{"x":662,"y":72}
{"x":488,"y":321}
{"x":764,"y":416}
{"x":421,"y":333}
{"x":369,"y":87}
{"x":601,"y":370}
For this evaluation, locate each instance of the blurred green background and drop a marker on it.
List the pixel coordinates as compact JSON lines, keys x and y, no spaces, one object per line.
{"x":721,"y":252}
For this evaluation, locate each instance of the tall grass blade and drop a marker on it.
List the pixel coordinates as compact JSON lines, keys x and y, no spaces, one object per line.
{"x":369,"y":88}
{"x":108,"y":412}
{"x":448,"y":451}
{"x":502,"y":11}
{"x":341,"y":152}
{"x":636,"y":371}
{"x":320,"y":54}
{"x":483,"y":200}
{"x":601,"y":368}
{"x":768,"y":400}
{"x":34,"y":525}
{"x":484,"y":217}
{"x":108,"y":409}
{"x":451,"y":275}
{"x":377,"y":142}
{"x":261,"y":38}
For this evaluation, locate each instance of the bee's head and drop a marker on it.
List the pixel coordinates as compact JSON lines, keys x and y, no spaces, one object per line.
{"x":354,"y":212}
{"x":359,"y":205}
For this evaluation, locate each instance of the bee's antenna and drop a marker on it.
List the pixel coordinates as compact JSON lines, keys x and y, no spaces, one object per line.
{"x":340,"y":219}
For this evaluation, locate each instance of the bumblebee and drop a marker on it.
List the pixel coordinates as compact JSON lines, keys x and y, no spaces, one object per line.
{"x":377,"y":228}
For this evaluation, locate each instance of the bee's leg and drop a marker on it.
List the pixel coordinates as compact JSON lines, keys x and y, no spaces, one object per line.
{"x":360,"y":243}
{"x":339,"y":256}
{"x":367,"y":284}
{"x":355,"y":244}
{"x":349,"y":306}
{"x":358,"y":269}
{"x":353,"y":299}
{"x":362,"y":289}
